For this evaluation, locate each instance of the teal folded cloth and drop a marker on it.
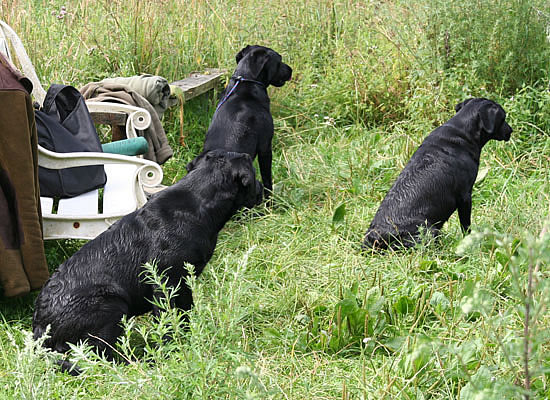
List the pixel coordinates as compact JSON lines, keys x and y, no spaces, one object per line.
{"x":153,"y":88}
{"x":127,"y":147}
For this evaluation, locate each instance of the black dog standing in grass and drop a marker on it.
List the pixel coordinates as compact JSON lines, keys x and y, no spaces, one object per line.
{"x":243,"y":122}
{"x":439,"y":177}
{"x":87,"y":296}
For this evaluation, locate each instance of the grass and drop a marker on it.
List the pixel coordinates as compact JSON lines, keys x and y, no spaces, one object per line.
{"x":288,"y":308}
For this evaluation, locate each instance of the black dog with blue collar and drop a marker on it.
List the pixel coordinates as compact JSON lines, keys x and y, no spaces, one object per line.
{"x":242,"y":121}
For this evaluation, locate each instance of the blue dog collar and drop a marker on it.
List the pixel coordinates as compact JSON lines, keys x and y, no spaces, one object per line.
{"x":238,"y":79}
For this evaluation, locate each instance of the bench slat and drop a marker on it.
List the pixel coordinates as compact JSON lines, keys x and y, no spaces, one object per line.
{"x":84,"y":204}
{"x":197,"y":84}
{"x":46,"y":204}
{"x":118,"y":194}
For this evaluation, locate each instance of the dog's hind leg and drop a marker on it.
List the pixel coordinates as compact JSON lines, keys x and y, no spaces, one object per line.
{"x":465,"y":212}
{"x":264,"y":161}
{"x":375,"y":241}
{"x":183,"y":301}
{"x":104,"y":339}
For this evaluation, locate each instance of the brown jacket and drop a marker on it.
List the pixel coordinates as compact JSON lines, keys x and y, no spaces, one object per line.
{"x":22,"y":261}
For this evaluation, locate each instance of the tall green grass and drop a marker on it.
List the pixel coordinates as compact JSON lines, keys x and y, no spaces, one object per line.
{"x":288,"y":307}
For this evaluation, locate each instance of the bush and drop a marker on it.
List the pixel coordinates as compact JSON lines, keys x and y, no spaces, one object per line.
{"x":504,"y":43}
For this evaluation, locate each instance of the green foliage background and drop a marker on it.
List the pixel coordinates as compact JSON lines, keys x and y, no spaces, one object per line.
{"x":288,"y":308}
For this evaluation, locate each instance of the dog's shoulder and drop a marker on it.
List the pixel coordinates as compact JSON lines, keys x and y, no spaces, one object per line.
{"x":171,"y":203}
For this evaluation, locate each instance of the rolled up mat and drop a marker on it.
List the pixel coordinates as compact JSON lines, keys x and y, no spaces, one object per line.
{"x":127,"y":147}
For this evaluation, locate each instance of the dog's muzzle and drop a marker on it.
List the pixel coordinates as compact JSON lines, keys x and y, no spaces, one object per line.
{"x":285,"y":75}
{"x":506,"y":132}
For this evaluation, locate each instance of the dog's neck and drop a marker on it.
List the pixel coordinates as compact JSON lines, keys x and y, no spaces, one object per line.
{"x":215,"y":212}
{"x":463,"y":125}
{"x":458,"y":133}
{"x":240,"y":78}
{"x":237,"y":79}
{"x":218,"y":216}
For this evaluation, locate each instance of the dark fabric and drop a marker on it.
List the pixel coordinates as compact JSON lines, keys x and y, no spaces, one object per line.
{"x":159,"y":149}
{"x":22,"y":261}
{"x":10,"y":230}
{"x":11,"y":78}
{"x":65,"y":125}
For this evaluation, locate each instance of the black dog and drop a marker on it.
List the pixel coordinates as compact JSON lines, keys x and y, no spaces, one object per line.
{"x":243,"y":122}
{"x":91,"y":291}
{"x":439,"y":177}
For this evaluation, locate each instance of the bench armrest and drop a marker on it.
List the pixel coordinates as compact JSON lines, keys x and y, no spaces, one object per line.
{"x":137,"y":118}
{"x":150,"y":172}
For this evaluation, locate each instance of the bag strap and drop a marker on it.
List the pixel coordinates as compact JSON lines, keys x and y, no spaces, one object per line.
{"x":51,"y":94}
{"x":62,"y":100}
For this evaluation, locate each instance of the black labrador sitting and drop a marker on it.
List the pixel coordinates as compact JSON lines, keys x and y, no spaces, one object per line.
{"x":87,"y":296}
{"x":242,"y":121}
{"x":439,"y":177}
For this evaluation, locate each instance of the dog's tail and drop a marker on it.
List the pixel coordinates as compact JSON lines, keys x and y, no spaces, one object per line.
{"x":68,"y":367}
{"x":375,"y":241}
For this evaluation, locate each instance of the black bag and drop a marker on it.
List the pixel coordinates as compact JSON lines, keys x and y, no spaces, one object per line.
{"x":64,"y":125}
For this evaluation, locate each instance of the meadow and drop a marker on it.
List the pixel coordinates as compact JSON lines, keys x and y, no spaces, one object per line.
{"x":288,"y":307}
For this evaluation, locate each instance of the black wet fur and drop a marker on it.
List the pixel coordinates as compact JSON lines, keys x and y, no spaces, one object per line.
{"x":243,"y":123}
{"x":85,"y":299}
{"x":439,"y":177}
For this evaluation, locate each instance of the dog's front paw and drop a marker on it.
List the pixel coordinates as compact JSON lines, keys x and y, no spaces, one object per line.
{"x":261,"y":193}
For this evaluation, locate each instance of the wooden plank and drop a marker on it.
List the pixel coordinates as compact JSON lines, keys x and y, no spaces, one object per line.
{"x":199,"y":83}
{"x":109,"y":118}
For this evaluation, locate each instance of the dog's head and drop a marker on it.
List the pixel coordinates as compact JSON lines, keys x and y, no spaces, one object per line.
{"x":491,"y":117}
{"x":262,"y":64}
{"x":229,"y":173}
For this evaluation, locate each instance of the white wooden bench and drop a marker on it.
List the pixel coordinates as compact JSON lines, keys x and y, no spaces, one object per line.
{"x":87,"y":215}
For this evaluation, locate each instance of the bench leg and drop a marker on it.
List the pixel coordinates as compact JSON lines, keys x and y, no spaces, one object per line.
{"x":118,"y":133}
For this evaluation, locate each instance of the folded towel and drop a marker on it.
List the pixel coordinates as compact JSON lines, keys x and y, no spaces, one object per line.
{"x":155,"y":89}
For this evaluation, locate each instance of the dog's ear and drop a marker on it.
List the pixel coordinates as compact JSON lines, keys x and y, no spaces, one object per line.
{"x":490,"y":117}
{"x":248,"y":179}
{"x":194,"y":162}
{"x":242,"y":53}
{"x":243,"y":171}
{"x":258,"y":59}
{"x":459,"y":106}
{"x":190,"y":166}
{"x":250,"y":190}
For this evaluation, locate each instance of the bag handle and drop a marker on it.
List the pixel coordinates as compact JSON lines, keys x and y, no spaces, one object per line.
{"x":65,"y":98}
{"x":51,"y":94}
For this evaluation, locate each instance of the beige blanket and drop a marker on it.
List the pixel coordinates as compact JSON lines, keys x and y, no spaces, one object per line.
{"x":159,"y":149}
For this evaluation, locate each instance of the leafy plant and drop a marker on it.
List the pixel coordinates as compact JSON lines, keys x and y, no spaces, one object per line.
{"x":525,"y":258}
{"x":355,"y":323}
